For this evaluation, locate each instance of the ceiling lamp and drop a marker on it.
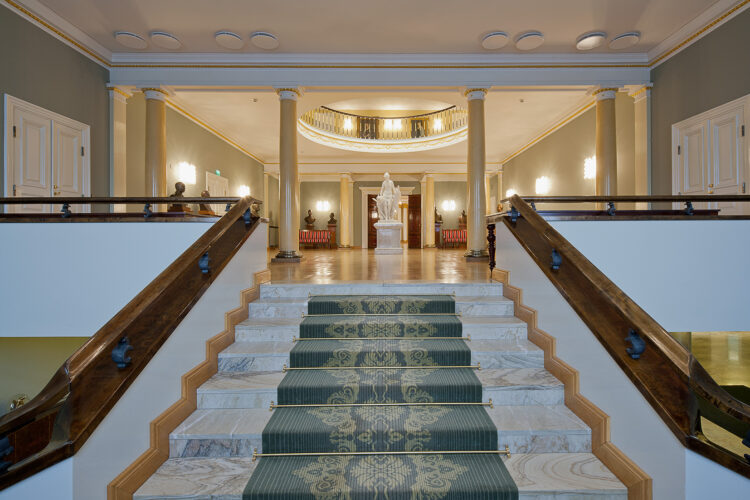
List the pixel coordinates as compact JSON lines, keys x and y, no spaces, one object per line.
{"x":495,"y":40}
{"x":229,"y":40}
{"x":529,"y":40}
{"x":263,"y":40}
{"x":130,"y":40}
{"x":625,"y":40}
{"x":165,"y":40}
{"x":591,"y":40}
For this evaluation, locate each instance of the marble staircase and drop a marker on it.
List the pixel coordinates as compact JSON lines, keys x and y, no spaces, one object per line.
{"x":210,"y":452}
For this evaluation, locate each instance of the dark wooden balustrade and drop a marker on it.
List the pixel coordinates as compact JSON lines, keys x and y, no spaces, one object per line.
{"x":667,"y":375}
{"x":90,"y":383}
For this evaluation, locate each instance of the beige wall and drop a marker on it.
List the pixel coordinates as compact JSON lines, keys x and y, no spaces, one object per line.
{"x":310,"y":193}
{"x":560,"y":156}
{"x":450,"y":190}
{"x":27,"y":364}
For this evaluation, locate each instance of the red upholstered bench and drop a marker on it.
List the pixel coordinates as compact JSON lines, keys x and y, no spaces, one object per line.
{"x":454,"y":236}
{"x":315,"y":237}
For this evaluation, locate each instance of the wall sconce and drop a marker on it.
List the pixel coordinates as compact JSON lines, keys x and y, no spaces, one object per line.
{"x":589,"y":168}
{"x":322,"y":206}
{"x":243,"y":191}
{"x":186,"y":172}
{"x":543,"y":184}
{"x":510,"y":192}
{"x":448,"y":205}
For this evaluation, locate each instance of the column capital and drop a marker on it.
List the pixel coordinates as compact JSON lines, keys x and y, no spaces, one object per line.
{"x":641,"y":92}
{"x":288,"y":93}
{"x":346,"y":176}
{"x":119,"y":94}
{"x":157,"y":93}
{"x":602,"y":93}
{"x":473,"y":93}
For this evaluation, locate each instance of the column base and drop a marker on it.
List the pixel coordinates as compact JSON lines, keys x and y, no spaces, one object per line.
{"x":345,"y":247}
{"x":287,"y":256}
{"x":476,"y":255}
{"x":430,"y":246}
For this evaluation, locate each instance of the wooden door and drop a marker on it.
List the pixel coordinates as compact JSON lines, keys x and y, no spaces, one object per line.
{"x":725,"y":174}
{"x":32,"y":167}
{"x":372,"y":218}
{"x":415,"y":221}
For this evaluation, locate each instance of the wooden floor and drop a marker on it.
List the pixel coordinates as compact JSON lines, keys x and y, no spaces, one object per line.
{"x":325,"y":266}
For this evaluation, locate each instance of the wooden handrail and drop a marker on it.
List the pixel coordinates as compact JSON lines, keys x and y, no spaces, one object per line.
{"x":115,"y":200}
{"x":630,"y":199}
{"x":90,"y":382}
{"x":666,"y":373}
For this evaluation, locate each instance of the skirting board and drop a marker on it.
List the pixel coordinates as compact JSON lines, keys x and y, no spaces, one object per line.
{"x":124,"y":485}
{"x":639,"y":483}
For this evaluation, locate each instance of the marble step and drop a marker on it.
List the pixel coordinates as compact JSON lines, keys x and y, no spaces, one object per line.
{"x":463,"y":289}
{"x":506,"y":386}
{"x":543,"y":476}
{"x":285,"y":329}
{"x":219,"y":433}
{"x":255,"y":356}
{"x":296,"y":307}
{"x":240,"y":390}
{"x":563,"y":476}
{"x":272,"y":356}
{"x":540,"y":429}
{"x":521,"y":386}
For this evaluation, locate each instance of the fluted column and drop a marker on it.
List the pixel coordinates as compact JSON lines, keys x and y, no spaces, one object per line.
{"x":429,"y":208}
{"x":477,"y":205}
{"x":156,"y":142}
{"x":642,"y":160}
{"x":606,"y":142}
{"x":345,"y":237}
{"x":288,"y":178}
{"x":500,"y":193}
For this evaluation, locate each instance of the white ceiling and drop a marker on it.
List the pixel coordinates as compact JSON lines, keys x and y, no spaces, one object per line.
{"x":383,"y":26}
{"x":510,"y":123}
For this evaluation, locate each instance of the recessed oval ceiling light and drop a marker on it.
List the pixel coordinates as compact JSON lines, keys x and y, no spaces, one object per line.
{"x":625,"y":40}
{"x":264,"y":40}
{"x":130,"y":40}
{"x":165,"y":40}
{"x":495,"y":40}
{"x":529,"y":40}
{"x":591,"y":40}
{"x":229,"y":40}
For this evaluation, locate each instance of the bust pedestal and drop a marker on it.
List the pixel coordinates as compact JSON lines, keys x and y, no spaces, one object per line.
{"x":389,"y":238}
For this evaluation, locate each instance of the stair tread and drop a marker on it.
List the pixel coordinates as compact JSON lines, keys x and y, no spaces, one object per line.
{"x":242,"y":381}
{"x":517,"y":378}
{"x":266,"y":322}
{"x":258,"y":348}
{"x":223,"y":423}
{"x":536,"y":418}
{"x":562,"y":473}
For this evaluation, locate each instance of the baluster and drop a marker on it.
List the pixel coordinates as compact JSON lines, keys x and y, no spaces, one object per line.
{"x":147,"y":213}
{"x":491,"y":250}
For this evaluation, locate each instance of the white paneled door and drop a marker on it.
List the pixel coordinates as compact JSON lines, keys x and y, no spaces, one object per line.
{"x":46,"y":156}
{"x":217,"y":185}
{"x":710,"y":157}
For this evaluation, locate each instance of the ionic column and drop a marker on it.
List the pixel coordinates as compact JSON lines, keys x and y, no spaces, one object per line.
{"x":345,"y":237}
{"x":642,"y":158}
{"x":288,"y":178}
{"x":606,"y":142}
{"x":156,"y":142}
{"x":477,"y":205}
{"x":429,"y":207}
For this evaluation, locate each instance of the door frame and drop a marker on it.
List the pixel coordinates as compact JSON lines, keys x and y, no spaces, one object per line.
{"x":743,"y":102}
{"x":10,"y":105}
{"x":364,"y":191}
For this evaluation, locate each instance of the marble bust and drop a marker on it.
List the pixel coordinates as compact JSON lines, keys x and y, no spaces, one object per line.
{"x":388,"y":199}
{"x":332,"y":221}
{"x":309,"y":220}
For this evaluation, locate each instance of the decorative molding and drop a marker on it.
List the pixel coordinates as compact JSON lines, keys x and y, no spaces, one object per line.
{"x":639,"y":483}
{"x":128,"y":481}
{"x":551,"y":130}
{"x":712,"y":18}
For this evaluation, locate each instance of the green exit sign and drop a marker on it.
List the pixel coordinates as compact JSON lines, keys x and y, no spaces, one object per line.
{"x":218,"y":172}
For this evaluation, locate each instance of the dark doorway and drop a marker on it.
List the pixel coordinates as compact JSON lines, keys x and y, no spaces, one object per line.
{"x":372,"y":218}
{"x":415,"y":221}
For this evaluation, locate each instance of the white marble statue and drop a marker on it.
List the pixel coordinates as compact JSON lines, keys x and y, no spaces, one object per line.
{"x":388,"y":200}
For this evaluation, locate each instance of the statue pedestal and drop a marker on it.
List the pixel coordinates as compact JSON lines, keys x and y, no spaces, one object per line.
{"x":389,"y":238}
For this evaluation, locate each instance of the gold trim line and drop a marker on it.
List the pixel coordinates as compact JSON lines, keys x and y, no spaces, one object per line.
{"x":285,"y":368}
{"x":505,"y":452}
{"x":467,"y":338}
{"x":349,"y":405}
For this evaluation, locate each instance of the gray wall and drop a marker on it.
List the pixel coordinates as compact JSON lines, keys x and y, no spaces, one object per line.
{"x":712,"y":71}
{"x":190,"y":143}
{"x":357,"y":200}
{"x":310,"y":193}
{"x":450,"y":190}
{"x":43,"y":71}
{"x":560,"y":156}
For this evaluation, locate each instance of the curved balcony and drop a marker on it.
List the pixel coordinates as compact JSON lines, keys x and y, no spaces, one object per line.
{"x":376,"y":134}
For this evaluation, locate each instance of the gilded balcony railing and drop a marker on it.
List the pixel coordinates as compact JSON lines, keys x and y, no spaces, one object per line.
{"x":377,"y":128}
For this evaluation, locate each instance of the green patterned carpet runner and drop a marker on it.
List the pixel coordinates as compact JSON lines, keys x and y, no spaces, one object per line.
{"x":353,"y":353}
